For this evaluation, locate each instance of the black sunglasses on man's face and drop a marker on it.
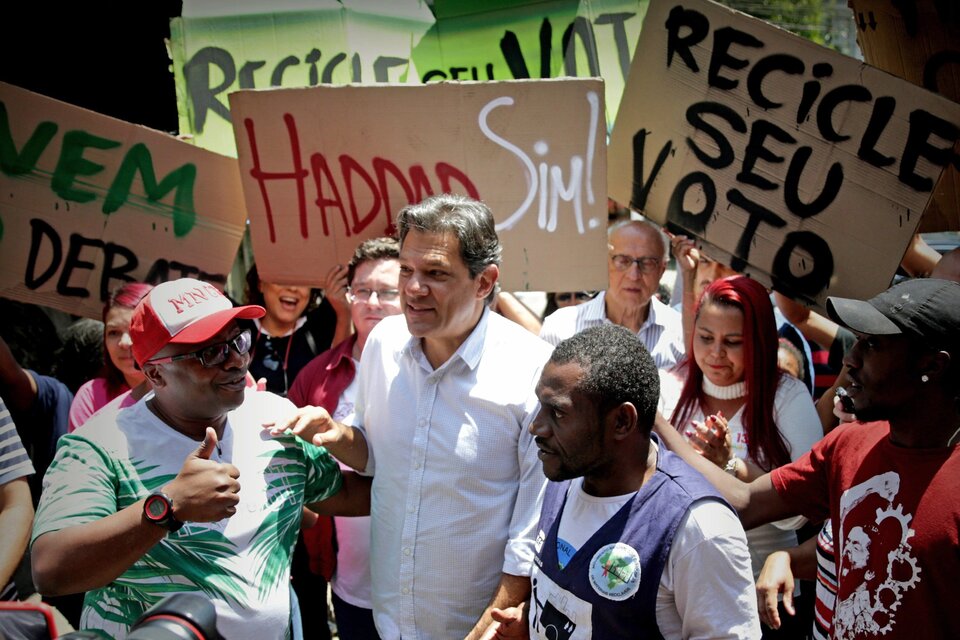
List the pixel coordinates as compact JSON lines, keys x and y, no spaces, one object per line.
{"x":214,"y":354}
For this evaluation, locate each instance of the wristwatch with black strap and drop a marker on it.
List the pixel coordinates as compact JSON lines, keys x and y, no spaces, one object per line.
{"x":158,"y":509}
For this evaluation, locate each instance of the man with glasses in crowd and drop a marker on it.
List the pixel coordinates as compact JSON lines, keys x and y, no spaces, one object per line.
{"x":636,"y":262}
{"x":181,"y":492}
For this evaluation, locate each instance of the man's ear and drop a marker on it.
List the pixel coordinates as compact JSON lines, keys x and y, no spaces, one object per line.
{"x":624,"y":417}
{"x":153,"y":373}
{"x":936,"y":365}
{"x":487,"y":280}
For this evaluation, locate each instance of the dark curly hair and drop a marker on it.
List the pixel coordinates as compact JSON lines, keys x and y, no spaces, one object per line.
{"x":617,"y":369}
{"x":83,"y":355}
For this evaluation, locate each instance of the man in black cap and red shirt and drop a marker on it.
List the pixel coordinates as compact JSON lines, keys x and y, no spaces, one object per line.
{"x":889,"y":482}
{"x":182,"y":492}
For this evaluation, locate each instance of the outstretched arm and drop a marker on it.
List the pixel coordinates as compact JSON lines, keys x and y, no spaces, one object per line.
{"x":756,"y":502}
{"x":814,"y":326}
{"x":314,"y":425}
{"x":90,"y":555}
{"x":353,"y":498}
{"x":511,"y":308}
{"x":17,"y":386}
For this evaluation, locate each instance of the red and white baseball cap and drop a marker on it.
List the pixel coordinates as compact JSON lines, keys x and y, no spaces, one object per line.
{"x":184,"y":311}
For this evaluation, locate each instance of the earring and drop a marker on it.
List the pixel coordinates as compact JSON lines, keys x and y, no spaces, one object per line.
{"x":924,"y":378}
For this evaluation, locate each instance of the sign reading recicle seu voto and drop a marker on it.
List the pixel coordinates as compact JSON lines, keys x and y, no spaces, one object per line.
{"x":324,"y":168}
{"x":806,"y":169}
{"x":90,"y":202}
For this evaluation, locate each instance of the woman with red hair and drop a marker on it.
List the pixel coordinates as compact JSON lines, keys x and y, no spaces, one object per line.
{"x":119,"y":374}
{"x":735,"y":405}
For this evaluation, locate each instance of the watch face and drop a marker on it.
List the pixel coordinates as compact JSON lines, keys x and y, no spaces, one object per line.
{"x":156,"y":508}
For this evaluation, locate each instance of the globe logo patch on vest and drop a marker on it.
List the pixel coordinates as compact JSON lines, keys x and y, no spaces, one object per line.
{"x":615,"y":571}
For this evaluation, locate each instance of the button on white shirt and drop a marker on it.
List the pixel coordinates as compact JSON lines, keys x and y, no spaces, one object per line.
{"x":457,"y":484}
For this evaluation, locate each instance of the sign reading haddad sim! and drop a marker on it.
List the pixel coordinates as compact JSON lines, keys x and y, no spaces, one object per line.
{"x":326,"y":167}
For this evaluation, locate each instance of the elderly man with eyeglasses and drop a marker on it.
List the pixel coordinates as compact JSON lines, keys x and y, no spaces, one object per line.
{"x":181,"y":492}
{"x":636,"y":262}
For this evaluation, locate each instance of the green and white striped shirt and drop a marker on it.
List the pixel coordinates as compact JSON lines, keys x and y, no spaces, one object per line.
{"x":242,"y":563}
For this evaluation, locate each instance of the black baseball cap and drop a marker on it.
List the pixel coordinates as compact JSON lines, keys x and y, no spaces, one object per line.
{"x":925,"y":308}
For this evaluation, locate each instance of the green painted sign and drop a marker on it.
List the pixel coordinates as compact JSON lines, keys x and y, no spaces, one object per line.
{"x":337,"y":43}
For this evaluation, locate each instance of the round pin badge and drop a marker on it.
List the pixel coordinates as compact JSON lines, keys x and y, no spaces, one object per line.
{"x":615,"y":571}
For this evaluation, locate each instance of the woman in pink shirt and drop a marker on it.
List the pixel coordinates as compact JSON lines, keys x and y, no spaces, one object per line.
{"x":120,"y":374}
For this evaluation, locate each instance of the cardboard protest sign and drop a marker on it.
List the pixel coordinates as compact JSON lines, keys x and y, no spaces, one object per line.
{"x":484,"y":40}
{"x":327,"y":167}
{"x":918,"y":41}
{"x":322,"y":42}
{"x":90,"y":202}
{"x":218,"y":48}
{"x":806,"y":169}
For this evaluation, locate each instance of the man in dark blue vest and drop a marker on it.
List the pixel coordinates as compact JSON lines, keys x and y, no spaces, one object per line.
{"x":632,"y":542}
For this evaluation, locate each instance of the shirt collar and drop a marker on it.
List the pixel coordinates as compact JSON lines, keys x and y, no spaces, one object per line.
{"x":343,"y":351}
{"x":599,"y":311}
{"x":469,"y":351}
{"x":595,"y":309}
{"x":654,"y":309}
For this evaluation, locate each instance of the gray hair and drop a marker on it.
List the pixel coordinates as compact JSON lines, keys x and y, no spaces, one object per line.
{"x":643,"y":224}
{"x":468,"y":219}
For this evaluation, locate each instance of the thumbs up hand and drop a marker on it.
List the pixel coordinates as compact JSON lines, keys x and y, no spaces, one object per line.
{"x":205,"y":490}
{"x":205,"y":450}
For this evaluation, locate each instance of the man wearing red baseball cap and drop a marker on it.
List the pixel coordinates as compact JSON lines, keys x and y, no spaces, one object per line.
{"x":182,"y":492}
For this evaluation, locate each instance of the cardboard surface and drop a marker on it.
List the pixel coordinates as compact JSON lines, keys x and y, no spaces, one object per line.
{"x":804,"y":168}
{"x":920,"y":42}
{"x":327,"y":167}
{"x":338,"y":42}
{"x":328,"y":43}
{"x":90,"y":202}
{"x":486,"y":40}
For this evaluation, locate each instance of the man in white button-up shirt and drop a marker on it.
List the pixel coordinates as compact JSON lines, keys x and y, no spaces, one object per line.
{"x":637,"y":260}
{"x":444,"y":402}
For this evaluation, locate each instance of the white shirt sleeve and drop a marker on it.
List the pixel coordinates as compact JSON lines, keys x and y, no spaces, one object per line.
{"x":356,"y":418}
{"x":707,"y":588}
{"x":519,"y":552}
{"x":670,"y":387}
{"x":796,"y":417}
